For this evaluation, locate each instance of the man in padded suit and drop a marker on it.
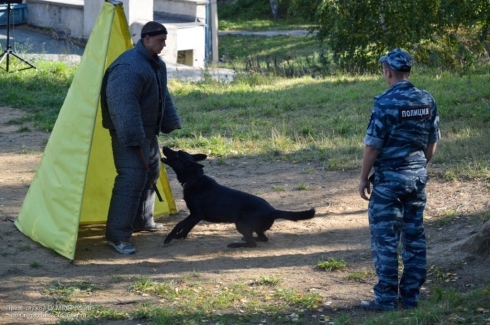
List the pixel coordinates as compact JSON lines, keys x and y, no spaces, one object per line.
{"x":136,"y":107}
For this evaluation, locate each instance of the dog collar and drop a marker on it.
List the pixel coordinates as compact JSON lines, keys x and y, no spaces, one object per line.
{"x":189,"y":184}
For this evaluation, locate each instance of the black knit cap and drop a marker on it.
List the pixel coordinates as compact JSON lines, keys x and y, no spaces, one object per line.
{"x":153,"y":28}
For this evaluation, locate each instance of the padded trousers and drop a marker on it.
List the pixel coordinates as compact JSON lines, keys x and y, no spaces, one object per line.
{"x":133,"y":197}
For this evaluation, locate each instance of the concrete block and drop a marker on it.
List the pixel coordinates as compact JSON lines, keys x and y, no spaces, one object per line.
{"x":61,"y":16}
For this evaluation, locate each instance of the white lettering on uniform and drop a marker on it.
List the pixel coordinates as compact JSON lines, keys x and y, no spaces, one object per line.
{"x":414,"y":112}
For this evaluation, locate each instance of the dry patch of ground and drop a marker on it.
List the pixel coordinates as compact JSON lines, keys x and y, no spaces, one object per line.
{"x":339,"y":230}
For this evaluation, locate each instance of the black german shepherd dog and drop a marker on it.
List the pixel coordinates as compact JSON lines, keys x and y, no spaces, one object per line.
{"x":207,"y":200}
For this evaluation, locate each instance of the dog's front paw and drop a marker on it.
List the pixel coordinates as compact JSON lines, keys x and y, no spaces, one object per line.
{"x":168,"y":239}
{"x":179,"y":235}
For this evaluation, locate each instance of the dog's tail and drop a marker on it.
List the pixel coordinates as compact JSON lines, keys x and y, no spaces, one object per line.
{"x":294,"y":216}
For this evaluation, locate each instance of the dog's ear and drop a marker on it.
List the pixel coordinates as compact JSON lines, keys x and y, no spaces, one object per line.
{"x":163,"y":160}
{"x":199,"y":157}
{"x":193,"y":165}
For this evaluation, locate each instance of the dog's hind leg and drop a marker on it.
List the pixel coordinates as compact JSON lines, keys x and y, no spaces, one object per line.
{"x":260,"y":237}
{"x":247,"y":236}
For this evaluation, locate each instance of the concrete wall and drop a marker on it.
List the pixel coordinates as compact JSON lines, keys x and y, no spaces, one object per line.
{"x":169,"y":53}
{"x":138,"y":13}
{"x":185,"y":42}
{"x":76,"y":18}
{"x":61,"y":16}
{"x":181,"y":37}
{"x":192,"y":8}
{"x":192,"y":38}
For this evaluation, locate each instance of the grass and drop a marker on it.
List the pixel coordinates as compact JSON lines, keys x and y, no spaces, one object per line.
{"x":35,"y":265}
{"x":324,"y":120}
{"x":258,"y":25}
{"x":266,"y":116}
{"x":447,"y":306}
{"x":191,"y":301}
{"x":241,"y":48}
{"x":24,"y":248}
{"x":117,"y":278}
{"x":280,"y":55}
{"x":279,"y":188}
{"x":64,"y":292}
{"x":14,"y":271}
{"x":361,"y":275}
{"x":294,"y":119}
{"x":331,"y":264}
{"x":264,"y":301}
{"x":445,"y":218}
{"x":255,"y":15}
{"x":270,"y":281}
{"x":39,"y":92}
{"x":303,"y":187}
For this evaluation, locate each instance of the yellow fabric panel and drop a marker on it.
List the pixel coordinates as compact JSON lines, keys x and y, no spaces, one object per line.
{"x":168,"y":206}
{"x":64,"y":183}
{"x":51,"y":210}
{"x":101,"y":170}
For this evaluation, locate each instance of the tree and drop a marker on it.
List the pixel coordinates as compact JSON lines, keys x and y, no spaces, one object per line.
{"x":252,"y":9}
{"x":359,"y":32}
{"x":275,"y":9}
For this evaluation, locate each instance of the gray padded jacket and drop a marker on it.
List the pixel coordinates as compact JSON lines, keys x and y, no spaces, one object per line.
{"x":134,"y":97}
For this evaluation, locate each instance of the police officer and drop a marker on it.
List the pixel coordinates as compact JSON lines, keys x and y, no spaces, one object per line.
{"x":400,"y":141}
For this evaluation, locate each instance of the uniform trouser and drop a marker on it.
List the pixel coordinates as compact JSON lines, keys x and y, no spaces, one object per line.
{"x":133,"y":197}
{"x":395,"y":213}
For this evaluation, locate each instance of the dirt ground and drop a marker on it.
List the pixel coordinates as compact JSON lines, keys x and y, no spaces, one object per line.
{"x":339,"y":230}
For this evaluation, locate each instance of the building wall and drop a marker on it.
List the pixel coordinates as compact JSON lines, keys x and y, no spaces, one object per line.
{"x":65,"y":17}
{"x":76,"y":19}
{"x":193,"y":8}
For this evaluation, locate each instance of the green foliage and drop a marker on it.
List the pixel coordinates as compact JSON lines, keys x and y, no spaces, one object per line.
{"x":445,"y":218}
{"x":446,"y":305}
{"x":237,"y":24}
{"x":359,"y":32}
{"x":266,"y":305}
{"x":269,"y":281}
{"x":283,"y":56}
{"x":324,"y":120}
{"x":454,"y":49}
{"x":303,"y":186}
{"x":24,"y":248}
{"x":331,"y":264}
{"x":41,"y":92}
{"x":35,"y":265}
{"x":201,"y":299}
{"x":361,"y":275}
{"x":279,"y":188}
{"x":66,"y":291}
{"x":294,"y":119}
{"x":249,"y":9}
